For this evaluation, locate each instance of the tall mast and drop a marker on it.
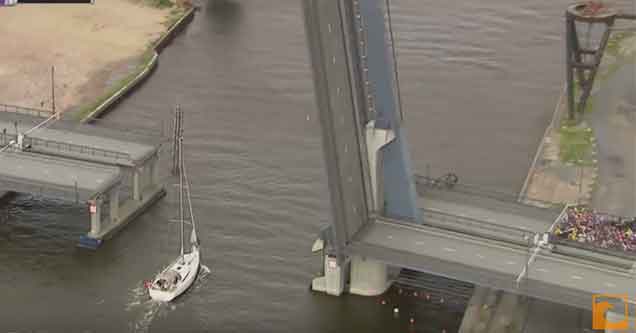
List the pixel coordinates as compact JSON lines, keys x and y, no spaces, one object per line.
{"x":189,"y":199}
{"x":181,"y":186}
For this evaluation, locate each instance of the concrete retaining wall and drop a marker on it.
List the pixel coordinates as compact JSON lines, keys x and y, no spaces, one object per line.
{"x":556,"y":120}
{"x":145,"y":72}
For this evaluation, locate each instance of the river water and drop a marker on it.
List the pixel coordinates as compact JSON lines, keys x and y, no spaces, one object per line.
{"x":479,"y":82}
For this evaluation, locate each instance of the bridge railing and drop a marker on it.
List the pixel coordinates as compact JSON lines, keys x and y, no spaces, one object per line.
{"x":424,"y":183}
{"x":68,"y":147}
{"x":77,"y":149}
{"x":523,"y":237}
{"x":25,"y":110}
{"x":476,"y":227}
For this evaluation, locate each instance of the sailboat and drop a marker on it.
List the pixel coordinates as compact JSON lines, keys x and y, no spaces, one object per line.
{"x":177,"y":277}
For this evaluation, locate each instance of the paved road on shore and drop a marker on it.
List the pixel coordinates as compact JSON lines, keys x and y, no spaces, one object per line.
{"x":614,"y":123}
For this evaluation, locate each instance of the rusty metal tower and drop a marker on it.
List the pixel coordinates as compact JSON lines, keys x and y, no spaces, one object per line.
{"x":583,"y":22}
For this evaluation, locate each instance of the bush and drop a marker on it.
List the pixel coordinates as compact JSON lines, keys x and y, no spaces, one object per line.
{"x":160,"y":3}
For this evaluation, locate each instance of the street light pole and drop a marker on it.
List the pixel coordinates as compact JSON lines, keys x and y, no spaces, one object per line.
{"x":53,"y":93}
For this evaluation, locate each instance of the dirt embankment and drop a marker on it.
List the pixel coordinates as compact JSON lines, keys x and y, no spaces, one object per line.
{"x":89,"y":45}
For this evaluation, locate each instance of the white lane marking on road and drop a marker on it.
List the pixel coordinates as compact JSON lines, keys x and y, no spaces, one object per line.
{"x":510,"y":262}
{"x":576,"y":277}
{"x":480,"y":256}
{"x":449,"y":249}
{"x":542,"y":270}
{"x":419,"y":243}
{"x":389,"y":237}
{"x":609,"y":284}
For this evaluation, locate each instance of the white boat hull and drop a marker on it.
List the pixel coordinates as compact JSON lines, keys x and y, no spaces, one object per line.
{"x":187,"y":272}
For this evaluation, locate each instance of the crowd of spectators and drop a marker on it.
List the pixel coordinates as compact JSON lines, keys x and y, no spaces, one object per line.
{"x":583,"y":224}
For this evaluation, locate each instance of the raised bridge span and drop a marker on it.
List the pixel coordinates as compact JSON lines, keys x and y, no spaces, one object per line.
{"x":379,"y":219}
{"x":113,"y":171}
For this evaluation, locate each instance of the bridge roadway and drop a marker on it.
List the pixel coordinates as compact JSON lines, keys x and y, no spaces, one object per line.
{"x":76,"y":162}
{"x":480,"y":240}
{"x":85,"y":142}
{"x":553,"y":277}
{"x":56,"y":177}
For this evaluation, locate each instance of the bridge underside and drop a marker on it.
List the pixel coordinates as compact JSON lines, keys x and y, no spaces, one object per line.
{"x":116,"y":172}
{"x":479,"y":238}
{"x":483,"y":262}
{"x":485,"y":240}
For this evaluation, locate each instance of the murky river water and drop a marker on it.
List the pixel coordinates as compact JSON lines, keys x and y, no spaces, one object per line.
{"x":479,"y":82}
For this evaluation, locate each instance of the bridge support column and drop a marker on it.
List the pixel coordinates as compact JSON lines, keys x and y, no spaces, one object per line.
{"x":95,"y":210}
{"x":137,"y":183}
{"x":154,"y":171}
{"x":92,"y":240}
{"x":368,"y":277}
{"x":376,"y":138}
{"x":333,"y":281}
{"x":114,"y":205}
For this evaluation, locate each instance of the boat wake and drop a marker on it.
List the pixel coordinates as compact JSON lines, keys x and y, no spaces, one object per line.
{"x":149,"y":309}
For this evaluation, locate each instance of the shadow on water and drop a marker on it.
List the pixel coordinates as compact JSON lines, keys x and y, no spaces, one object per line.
{"x":225,"y":16}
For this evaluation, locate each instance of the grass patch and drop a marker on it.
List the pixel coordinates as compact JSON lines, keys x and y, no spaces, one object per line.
{"x":159,"y":3}
{"x":589,"y":105}
{"x":575,"y":145}
{"x":615,"y":40}
{"x":175,"y":14}
{"x":145,"y":59}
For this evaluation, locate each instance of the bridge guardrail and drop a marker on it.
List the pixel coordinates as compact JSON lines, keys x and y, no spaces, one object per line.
{"x":424,"y":183}
{"x":70,"y":147}
{"x":516,"y":235}
{"x":476,"y":227}
{"x":25,"y":110}
{"x":75,"y":148}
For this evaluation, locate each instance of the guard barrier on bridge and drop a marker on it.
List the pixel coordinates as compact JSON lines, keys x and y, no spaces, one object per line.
{"x":25,"y":110}
{"x":475,"y":227}
{"x":32,"y":143}
{"x":75,"y":148}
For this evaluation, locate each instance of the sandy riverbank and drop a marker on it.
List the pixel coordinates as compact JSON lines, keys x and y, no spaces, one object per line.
{"x":90,"y":46}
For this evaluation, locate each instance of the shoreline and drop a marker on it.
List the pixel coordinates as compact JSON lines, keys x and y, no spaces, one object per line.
{"x":103,"y":48}
{"x":147,"y":63}
{"x":480,"y":314}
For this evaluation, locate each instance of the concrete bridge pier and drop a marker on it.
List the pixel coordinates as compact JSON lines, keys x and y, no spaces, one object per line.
{"x":370,"y":277}
{"x":145,"y":191}
{"x":366,"y":276}
{"x":154,"y":170}
{"x":145,"y":176}
{"x":365,"y":148}
{"x":137,"y":183}
{"x":113,"y":202}
{"x":95,"y":211}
